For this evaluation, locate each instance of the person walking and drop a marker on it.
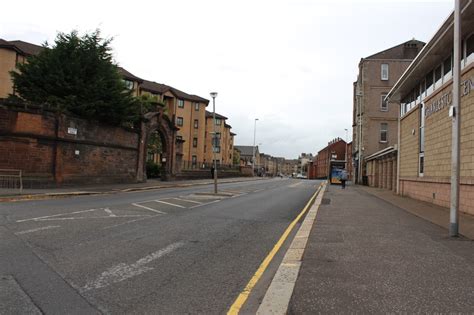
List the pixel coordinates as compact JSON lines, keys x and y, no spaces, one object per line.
{"x":343,"y":179}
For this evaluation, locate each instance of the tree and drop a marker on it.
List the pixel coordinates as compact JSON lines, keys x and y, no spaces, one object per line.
{"x":77,"y":75}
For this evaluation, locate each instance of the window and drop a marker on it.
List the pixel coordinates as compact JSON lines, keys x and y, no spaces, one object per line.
{"x":383,"y":132}
{"x":384,"y":71}
{"x":429,"y":83}
{"x":421,"y":156}
{"x":128,"y":84}
{"x":196,"y":123}
{"x":195,"y":142}
{"x":194,"y":160}
{"x":470,"y":49}
{"x":217,"y":149}
{"x":196,"y":107}
{"x":218,"y":121}
{"x":179,"y":121}
{"x":179,"y":137}
{"x":437,"y":77}
{"x":383,"y":103}
{"x":180,"y":103}
{"x":447,"y":64}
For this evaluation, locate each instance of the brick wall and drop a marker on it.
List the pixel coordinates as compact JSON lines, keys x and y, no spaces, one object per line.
{"x":39,"y":144}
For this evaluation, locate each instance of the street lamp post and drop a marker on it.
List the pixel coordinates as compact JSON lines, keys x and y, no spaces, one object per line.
{"x":214,"y":139}
{"x":253,"y":148}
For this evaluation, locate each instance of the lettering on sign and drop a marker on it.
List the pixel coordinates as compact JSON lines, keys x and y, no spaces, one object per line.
{"x":446,"y":99}
{"x":72,"y":131}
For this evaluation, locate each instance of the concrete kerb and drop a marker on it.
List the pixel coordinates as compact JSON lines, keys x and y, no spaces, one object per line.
{"x":28,"y":197}
{"x":278,"y":295}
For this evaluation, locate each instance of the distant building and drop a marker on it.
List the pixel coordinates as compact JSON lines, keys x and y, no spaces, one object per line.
{"x":303,"y":161}
{"x":247,"y":154}
{"x":335,"y":150}
{"x":374,"y":120}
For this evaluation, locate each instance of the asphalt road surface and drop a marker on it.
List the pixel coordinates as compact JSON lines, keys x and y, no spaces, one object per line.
{"x":165,"y":251}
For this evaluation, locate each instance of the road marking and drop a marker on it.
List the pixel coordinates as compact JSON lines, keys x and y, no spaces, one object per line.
{"x":123,"y":271}
{"x":131,"y":221}
{"x":101,"y":217}
{"x":258,"y":190}
{"x":56,"y":215}
{"x":204,"y":204}
{"x":109,"y":212}
{"x":148,"y":208}
{"x":37,"y":229}
{"x":243,"y":296}
{"x":295,"y":185}
{"x":278,"y":295}
{"x":170,"y":204}
{"x":187,"y":200}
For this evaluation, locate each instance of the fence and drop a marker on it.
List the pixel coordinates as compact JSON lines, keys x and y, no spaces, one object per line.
{"x":11,"y":179}
{"x":190,"y":165}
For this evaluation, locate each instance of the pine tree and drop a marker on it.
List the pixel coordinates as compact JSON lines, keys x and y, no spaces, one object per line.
{"x":78,"y":75}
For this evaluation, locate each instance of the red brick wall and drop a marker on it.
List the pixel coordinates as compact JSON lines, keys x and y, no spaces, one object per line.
{"x":39,"y":144}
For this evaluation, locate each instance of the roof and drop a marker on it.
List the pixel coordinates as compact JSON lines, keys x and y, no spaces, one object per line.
{"x":227,"y":125}
{"x":381,"y":153}
{"x":21,"y":47}
{"x":405,"y":50}
{"x":154,"y":87}
{"x":209,"y":114}
{"x":434,"y":52}
{"x":129,"y":75}
{"x":246,"y":149}
{"x":232,"y":133}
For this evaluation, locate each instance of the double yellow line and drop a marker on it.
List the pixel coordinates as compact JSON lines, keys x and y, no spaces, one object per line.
{"x":243,"y":296}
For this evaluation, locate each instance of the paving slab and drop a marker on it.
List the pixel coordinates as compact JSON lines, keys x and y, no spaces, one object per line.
{"x":366,"y":255}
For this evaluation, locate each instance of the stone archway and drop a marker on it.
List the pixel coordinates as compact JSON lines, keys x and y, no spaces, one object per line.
{"x":158,"y":122}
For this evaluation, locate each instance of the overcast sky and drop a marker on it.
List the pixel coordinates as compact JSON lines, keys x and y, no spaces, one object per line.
{"x":289,"y":63}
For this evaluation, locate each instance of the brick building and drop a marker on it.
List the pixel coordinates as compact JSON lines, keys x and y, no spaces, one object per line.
{"x":374,"y":120}
{"x":224,"y":143}
{"x":424,"y":95}
{"x":335,"y":150}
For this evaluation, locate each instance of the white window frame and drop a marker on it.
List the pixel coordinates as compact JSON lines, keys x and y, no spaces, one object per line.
{"x":218,"y":121}
{"x":181,"y":103}
{"x":196,"y":106}
{"x":178,"y":119}
{"x":384,"y":76}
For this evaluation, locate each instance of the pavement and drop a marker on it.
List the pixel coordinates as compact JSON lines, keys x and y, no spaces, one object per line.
{"x":82,"y":190}
{"x":367,"y":254}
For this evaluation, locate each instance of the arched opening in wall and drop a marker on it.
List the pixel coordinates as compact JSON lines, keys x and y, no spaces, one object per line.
{"x":155,"y":157}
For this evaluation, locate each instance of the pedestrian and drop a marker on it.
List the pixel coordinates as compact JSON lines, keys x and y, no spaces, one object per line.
{"x":343,"y":179}
{"x":212,"y":172}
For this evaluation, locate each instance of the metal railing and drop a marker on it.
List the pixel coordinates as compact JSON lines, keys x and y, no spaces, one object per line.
{"x":11,"y":179}
{"x":190,"y":165}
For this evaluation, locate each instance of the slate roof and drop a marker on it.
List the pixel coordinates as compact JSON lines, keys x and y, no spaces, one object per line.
{"x":209,"y":114}
{"x":21,"y":47}
{"x":246,"y":149}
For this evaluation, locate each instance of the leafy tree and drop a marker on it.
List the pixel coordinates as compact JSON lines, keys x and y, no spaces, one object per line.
{"x":77,"y":75}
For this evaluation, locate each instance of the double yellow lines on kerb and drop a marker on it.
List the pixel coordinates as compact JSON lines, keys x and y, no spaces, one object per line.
{"x":243,"y":296}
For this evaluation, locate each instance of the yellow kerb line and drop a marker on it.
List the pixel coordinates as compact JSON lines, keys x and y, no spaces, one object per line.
{"x":243,"y":296}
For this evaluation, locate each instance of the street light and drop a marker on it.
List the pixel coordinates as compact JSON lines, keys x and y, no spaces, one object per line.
{"x":253,"y":148}
{"x":214,"y":139}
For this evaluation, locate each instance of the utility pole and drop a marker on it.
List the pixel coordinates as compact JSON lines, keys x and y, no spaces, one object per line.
{"x":456,"y":122}
{"x":214,"y":139}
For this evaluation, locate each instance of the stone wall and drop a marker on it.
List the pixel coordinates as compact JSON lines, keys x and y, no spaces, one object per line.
{"x":59,"y":150}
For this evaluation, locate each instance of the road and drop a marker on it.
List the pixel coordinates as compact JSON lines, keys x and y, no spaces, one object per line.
{"x":166,"y":251}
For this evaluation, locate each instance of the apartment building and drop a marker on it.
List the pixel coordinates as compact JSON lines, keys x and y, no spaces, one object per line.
{"x":424,"y":96}
{"x":334,"y":151}
{"x":11,"y":54}
{"x":375,"y":126}
{"x":223,"y":149}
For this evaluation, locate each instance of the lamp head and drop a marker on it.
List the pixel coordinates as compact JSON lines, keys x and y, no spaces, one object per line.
{"x":213,"y":94}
